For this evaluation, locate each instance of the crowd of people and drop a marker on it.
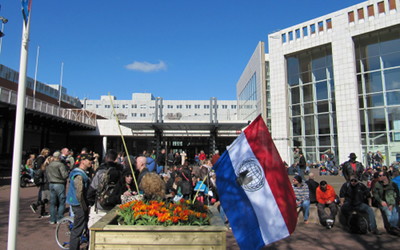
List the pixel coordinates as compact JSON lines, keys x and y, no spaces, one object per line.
{"x":90,"y":186}
{"x":363,"y":188}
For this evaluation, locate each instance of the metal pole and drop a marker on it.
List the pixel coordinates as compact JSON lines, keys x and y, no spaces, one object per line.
{"x":18,"y":140}
{"x":1,"y":38}
{"x":60,"y":90}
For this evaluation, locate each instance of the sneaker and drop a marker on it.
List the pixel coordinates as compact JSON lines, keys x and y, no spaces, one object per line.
{"x":33,"y":208}
{"x":45,"y":215}
{"x":52,"y":222}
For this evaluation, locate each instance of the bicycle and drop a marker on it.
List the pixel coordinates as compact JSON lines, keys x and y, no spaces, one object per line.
{"x":63,"y":232}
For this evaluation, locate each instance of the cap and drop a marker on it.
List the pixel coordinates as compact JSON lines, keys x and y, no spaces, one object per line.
{"x":85,"y":157}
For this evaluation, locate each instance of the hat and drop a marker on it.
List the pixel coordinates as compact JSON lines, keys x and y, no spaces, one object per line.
{"x":352,"y":156}
{"x":57,"y":154}
{"x":85,"y":157}
{"x":298,"y":178}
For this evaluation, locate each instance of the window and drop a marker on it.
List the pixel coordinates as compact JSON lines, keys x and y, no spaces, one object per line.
{"x":134,"y":106}
{"x":133,"y":114}
{"x":116,"y":106}
{"x":98,"y":106}
{"x":197,"y":106}
{"x":143,"y":106}
{"x":107,"y":106}
{"x":170,"y":106}
{"x":381,"y":7}
{"x":305,"y":31}
{"x":224,"y":106}
{"x":370,"y":10}
{"x":360,"y":13}
{"x":312,"y":27}
{"x":233,"y":106}
{"x":320,"y":26}
{"x":297,"y":34}
{"x":283,"y":38}
{"x":142,"y":114}
{"x":291,"y":36}
{"x":329,"y":24}
{"x":392,"y":4}
{"x":351,"y":16}
{"x":188,"y":106}
{"x":206,"y":106}
{"x":179,"y":106}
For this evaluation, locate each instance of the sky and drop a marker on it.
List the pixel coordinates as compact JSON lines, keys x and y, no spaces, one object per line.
{"x":175,"y":49}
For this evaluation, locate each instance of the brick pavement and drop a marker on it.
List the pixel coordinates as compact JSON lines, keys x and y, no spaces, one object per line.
{"x":35,"y":233}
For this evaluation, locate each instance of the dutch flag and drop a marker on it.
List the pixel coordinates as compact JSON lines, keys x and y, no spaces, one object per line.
{"x":254,"y":189}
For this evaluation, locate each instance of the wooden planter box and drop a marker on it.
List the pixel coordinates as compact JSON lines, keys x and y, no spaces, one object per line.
{"x":106,"y":234}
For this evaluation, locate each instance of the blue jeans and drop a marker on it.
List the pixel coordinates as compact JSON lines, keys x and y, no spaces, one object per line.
{"x":347,"y":209}
{"x":392,"y":216}
{"x":57,"y":198}
{"x":305,"y":206}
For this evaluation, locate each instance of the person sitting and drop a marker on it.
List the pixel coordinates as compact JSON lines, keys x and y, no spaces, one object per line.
{"x":124,"y":190}
{"x":323,"y":170}
{"x":302,"y":196}
{"x":326,"y":198}
{"x":352,"y":198}
{"x":312,"y":187}
{"x":352,"y":167}
{"x":386,"y":194}
{"x":153,"y":187}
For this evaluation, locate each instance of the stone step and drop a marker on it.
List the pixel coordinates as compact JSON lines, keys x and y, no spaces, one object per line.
{"x":313,"y":218}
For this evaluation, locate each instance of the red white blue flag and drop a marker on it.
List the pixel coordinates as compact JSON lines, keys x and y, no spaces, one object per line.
{"x":26,"y":10}
{"x":254,"y":189}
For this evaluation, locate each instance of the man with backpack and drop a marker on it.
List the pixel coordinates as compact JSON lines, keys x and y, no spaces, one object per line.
{"x":353,"y":196}
{"x":76,"y":197}
{"x":386,"y":195}
{"x":102,"y":185}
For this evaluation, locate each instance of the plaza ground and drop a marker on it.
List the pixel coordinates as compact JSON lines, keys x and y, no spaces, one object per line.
{"x":36,"y":233}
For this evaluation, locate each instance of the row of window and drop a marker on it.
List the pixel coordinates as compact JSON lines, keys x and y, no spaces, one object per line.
{"x":306,"y":30}
{"x":371,"y":10}
{"x":144,"y":114}
{"x":179,"y":106}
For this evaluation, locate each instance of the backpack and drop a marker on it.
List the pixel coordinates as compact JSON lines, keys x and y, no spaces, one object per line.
{"x":108,"y":181}
{"x":38,"y":177}
{"x":358,"y":224}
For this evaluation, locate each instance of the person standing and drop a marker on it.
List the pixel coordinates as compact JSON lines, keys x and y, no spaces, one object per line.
{"x":326,"y":198}
{"x":312,"y":187}
{"x":302,"y":165}
{"x":161,"y":166}
{"x":352,"y":167}
{"x":76,"y":197}
{"x":215,"y":157}
{"x":57,"y":175}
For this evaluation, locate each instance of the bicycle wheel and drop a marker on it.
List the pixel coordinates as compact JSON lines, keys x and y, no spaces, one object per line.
{"x":63,"y":232}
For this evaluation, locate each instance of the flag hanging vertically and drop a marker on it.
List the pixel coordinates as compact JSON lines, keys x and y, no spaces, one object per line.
{"x":26,"y":9}
{"x":254,"y":189}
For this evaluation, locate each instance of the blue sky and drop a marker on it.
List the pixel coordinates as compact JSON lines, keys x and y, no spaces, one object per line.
{"x":175,"y":49}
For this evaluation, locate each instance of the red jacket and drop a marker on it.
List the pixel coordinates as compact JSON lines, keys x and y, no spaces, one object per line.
{"x":328,"y":195}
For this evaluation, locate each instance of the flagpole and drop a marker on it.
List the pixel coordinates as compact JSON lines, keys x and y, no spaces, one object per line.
{"x":18,"y":140}
{"x":60,"y":87}
{"x":36,"y":69}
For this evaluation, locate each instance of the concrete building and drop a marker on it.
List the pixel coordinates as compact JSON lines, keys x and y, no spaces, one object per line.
{"x":334,"y":83}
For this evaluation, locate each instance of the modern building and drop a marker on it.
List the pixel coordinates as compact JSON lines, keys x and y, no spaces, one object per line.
{"x":333,"y":83}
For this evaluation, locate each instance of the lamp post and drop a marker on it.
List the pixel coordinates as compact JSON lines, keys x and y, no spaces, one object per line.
{"x":3,"y":21}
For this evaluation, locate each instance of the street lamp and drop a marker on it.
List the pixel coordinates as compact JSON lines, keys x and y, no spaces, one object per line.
{"x":3,"y":21}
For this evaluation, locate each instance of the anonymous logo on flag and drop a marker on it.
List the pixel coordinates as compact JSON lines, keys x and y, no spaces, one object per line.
{"x":250,"y":175}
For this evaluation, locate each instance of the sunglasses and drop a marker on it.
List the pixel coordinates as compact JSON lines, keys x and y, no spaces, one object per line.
{"x":354,"y":180}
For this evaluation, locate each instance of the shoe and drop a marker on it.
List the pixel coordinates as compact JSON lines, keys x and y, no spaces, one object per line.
{"x":376,"y":232}
{"x":45,"y":215}
{"x":306,"y":222}
{"x":33,"y":208}
{"x":396,"y":229}
{"x":52,"y":222}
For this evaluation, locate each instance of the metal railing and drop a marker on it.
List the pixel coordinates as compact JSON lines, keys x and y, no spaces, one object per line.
{"x":76,"y":115}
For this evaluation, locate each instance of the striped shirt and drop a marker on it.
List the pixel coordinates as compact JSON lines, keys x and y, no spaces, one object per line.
{"x":301,"y":192}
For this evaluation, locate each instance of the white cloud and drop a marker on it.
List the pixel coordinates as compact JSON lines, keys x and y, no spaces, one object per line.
{"x":146,"y":66}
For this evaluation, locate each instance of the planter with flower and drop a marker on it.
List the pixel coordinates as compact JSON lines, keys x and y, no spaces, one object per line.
{"x":156,"y":224}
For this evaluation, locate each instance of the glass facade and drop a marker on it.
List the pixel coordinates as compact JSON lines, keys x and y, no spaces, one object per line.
{"x":378,"y":78}
{"x":311,"y":101}
{"x":248,"y":99}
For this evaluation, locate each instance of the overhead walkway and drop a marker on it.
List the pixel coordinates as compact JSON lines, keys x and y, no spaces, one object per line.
{"x":77,"y":117}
